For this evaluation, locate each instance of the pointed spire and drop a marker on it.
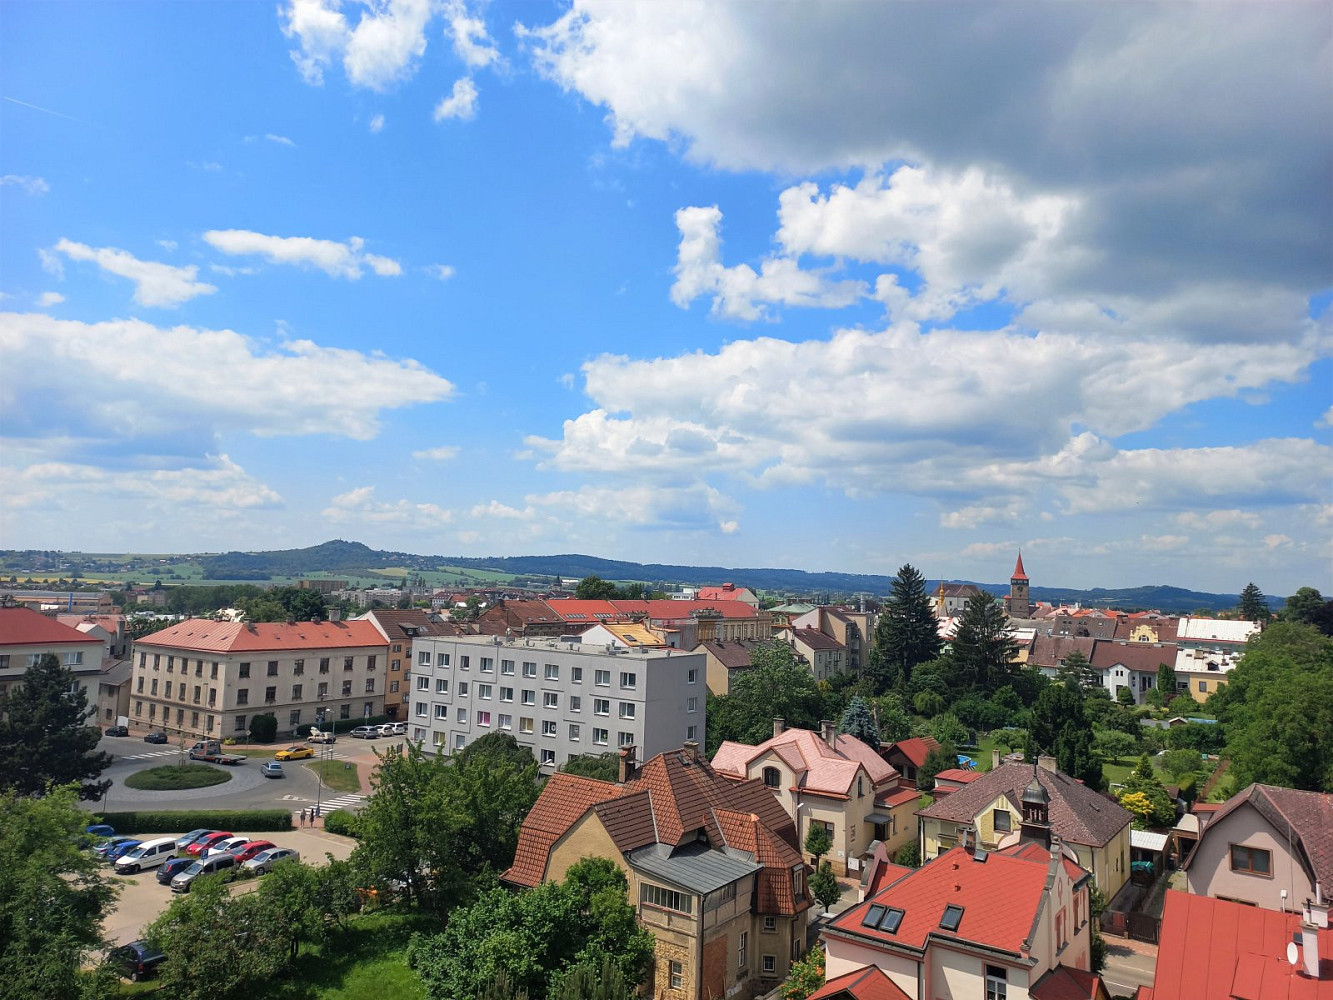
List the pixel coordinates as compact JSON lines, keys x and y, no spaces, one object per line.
{"x":1018,"y":569}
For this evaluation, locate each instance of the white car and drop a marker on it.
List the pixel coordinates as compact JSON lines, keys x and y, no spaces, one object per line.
{"x":227,"y":846}
{"x":147,"y":855}
{"x":386,"y":729}
{"x":400,"y":728}
{"x":264,"y":861}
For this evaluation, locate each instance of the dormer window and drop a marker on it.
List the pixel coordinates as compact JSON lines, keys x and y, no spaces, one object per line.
{"x":772,"y":777}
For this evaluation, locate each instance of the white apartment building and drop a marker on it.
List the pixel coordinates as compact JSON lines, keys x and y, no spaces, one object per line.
{"x":211,"y":678}
{"x":557,"y":697}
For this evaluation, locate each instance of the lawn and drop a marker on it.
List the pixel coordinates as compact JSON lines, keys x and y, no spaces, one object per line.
{"x":174,"y":777}
{"x":339,"y":775}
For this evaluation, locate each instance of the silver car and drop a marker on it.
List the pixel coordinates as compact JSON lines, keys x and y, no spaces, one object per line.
{"x":217,"y":863}
{"x":263,"y":862}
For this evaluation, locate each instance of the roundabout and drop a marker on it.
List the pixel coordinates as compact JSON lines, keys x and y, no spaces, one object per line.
{"x":176,"y":777}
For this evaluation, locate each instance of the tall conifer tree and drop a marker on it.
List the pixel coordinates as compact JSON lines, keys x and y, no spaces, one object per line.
{"x":907,"y":633}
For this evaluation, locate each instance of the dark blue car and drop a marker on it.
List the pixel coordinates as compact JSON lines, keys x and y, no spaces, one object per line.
{"x":170,"y":869}
{"x":136,"y":960}
{"x":123,"y":847}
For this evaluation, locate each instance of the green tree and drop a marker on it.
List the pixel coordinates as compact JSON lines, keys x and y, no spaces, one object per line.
{"x":777,"y":686}
{"x":1124,"y":695}
{"x":1143,"y":779}
{"x":310,"y":904}
{"x":54,"y":898}
{"x":1166,"y":682}
{"x":264,"y":728}
{"x":594,"y":588}
{"x":895,"y":721}
{"x":1253,"y":605}
{"x":907,"y":633}
{"x":1060,"y":727}
{"x":825,"y":887}
{"x":818,"y":842}
{"x":1302,"y":606}
{"x":602,"y":766}
{"x":593,"y":981}
{"x":805,"y":978}
{"x":491,"y":784}
{"x":983,"y":648}
{"x":858,"y":721}
{"x":940,"y":759}
{"x":909,"y":855}
{"x":45,"y":738}
{"x":1181,"y":762}
{"x":947,"y":728}
{"x":928,"y":703}
{"x":1182,"y":705}
{"x":1114,"y":744}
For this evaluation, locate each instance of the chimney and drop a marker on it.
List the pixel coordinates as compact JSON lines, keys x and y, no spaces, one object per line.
{"x":1319,"y":908}
{"x":627,"y":767}
{"x":691,"y":750}
{"x":1046,"y":762}
{"x":335,"y":615}
{"x":828,"y":732}
{"x":995,"y":759}
{"x":779,"y":726}
{"x":1310,"y":942}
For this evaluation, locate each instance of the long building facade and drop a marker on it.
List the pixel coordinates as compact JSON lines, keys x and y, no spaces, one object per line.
{"x":557,"y":697}
{"x":208,"y":678}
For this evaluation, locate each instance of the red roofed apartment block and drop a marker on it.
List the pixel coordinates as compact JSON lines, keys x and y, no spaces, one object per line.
{"x":26,"y":636}
{"x":829,"y":779}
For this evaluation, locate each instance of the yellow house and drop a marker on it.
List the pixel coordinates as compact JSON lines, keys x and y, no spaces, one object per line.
{"x":713,"y":868}
{"x":1090,"y":825}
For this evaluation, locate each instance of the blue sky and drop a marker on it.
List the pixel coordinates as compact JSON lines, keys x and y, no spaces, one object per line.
{"x":826,"y":286}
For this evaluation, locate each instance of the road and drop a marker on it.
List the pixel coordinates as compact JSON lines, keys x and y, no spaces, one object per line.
{"x":1129,"y":965}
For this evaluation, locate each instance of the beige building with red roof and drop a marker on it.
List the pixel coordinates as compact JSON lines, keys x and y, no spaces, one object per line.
{"x":210,"y":679}
{"x":728,"y":592}
{"x":826,"y":656}
{"x":27,"y":635}
{"x":713,"y":868}
{"x":832,"y":780}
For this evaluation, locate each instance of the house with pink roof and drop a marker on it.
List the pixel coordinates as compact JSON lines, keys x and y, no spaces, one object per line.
{"x":829,"y":779}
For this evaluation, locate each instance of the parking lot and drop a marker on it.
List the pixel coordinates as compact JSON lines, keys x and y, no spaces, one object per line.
{"x":143,"y":899}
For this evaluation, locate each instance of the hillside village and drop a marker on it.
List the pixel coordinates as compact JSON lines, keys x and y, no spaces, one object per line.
{"x":940,"y":793}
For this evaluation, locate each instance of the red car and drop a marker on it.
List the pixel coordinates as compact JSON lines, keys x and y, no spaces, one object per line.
{"x":248,"y":851}
{"x":204,"y":843}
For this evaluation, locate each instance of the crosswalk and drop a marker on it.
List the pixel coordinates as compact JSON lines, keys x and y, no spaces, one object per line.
{"x":343,"y":802}
{"x":155,"y":753}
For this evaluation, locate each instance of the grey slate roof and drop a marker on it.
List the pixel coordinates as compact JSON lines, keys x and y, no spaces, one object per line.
{"x":693,"y":867}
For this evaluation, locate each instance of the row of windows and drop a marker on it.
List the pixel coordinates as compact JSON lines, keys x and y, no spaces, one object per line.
{"x":629,"y":679}
{"x":293,"y":717}
{"x":243,"y":668}
{"x":550,"y":699}
{"x":73,"y":659}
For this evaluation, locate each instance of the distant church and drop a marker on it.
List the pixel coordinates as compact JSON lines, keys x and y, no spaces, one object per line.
{"x":1018,"y":604}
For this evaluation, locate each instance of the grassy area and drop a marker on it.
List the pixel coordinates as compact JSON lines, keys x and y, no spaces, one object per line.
{"x":338,"y":775}
{"x":174,"y":777}
{"x":1117,"y":771}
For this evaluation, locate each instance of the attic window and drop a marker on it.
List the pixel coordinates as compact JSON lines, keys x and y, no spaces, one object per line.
{"x":952,"y":916}
{"x":874,"y":915}
{"x":892,"y":918}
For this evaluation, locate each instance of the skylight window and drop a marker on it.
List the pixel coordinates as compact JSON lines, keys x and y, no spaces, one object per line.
{"x":873,"y":915}
{"x":892,"y":919}
{"x":952,"y":916}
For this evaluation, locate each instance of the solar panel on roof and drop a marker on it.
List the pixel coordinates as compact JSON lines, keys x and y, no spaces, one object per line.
{"x":952,"y":916}
{"x":873,"y":915}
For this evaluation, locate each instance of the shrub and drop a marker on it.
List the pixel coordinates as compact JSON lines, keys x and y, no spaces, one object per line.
{"x":909,"y":855}
{"x":343,"y":822}
{"x":180,"y":820}
{"x":264,"y":728}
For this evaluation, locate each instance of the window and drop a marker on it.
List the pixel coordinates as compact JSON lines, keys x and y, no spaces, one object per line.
{"x":770,"y":964}
{"x":171,"y":664}
{"x":507,"y":667}
{"x":691,"y":732}
{"x":953,"y":915}
{"x":423,"y":683}
{"x":298,"y":667}
{"x":624,"y":739}
{"x":459,"y":741}
{"x":665,"y":899}
{"x":601,"y":706}
{"x":691,"y":704}
{"x":421,"y":709}
{"x":548,"y":727}
{"x":212,"y":670}
{"x":1001,"y":820}
{"x":529,"y":669}
{"x":208,"y":723}
{"x":485,"y":691}
{"x":462,"y":716}
{"x":240,"y":722}
{"x":529,"y":697}
{"x":296,"y":692}
{"x":574,"y":732}
{"x":692,"y":676}
{"x":152,"y":712}
{"x":997,"y":984}
{"x":551,"y":671}
{"x":463,"y":663}
{"x":442,"y":712}
{"x":525,"y":726}
{"x":370,"y":685}
{"x":243,"y":670}
{"x":139,"y":687}
{"x":295,"y":718}
{"x":575,"y":703}
{"x":423,"y":658}
{"x":462,"y":689}
{"x":395,"y":665}
{"x":677,"y":976}
{"x":347,"y":663}
{"x":602,"y":678}
{"x":487,"y":665}
{"x":770,"y":923}
{"x":323,"y":690}
{"x":1203,"y":686}
{"x":506,"y":722}
{"x":323,"y":664}
{"x":772,"y":777}
{"x":441,"y":659}
{"x":270,"y":695}
{"x":441,"y":684}
{"x":628,"y":679}
{"x":576,"y":674}
{"x":347,"y":689}
{"x":242,"y":696}
{"x":273,"y":668}
{"x":153,"y":689}
{"x":798,"y":881}
{"x":742,"y":947}
{"x":550,"y":699}
{"x":484,"y":719}
{"x":397,"y":647}
{"x":506,"y":694}
{"x":370,"y":662}
{"x":547,"y":758}
{"x":194,"y":720}
{"x":627,"y":709}
{"x":1252,"y":860}
{"x":600,"y":737}
{"x":344,"y":711}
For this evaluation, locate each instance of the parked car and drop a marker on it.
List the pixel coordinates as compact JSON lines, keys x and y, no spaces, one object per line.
{"x":245,"y":852}
{"x":204,"y":843}
{"x":117,"y":731}
{"x":226,"y":846}
{"x":186,"y":840}
{"x":136,"y":960}
{"x":99,"y":830}
{"x":319,"y":736}
{"x":271,"y":769}
{"x":294,"y":753}
{"x":365,"y":732}
{"x":155,"y":737}
{"x":110,"y":844}
{"x":170,"y":869}
{"x":121,"y":849}
{"x":400,"y":728}
{"x":224,"y":863}
{"x":386,"y":728}
{"x":263,"y":862}
{"x":149,"y":854}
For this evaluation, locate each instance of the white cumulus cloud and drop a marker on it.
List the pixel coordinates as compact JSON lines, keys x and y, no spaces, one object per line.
{"x":50,"y":299}
{"x":461,"y":104}
{"x":155,"y":284}
{"x":381,"y":49}
{"x":443,"y":453}
{"x":34,"y":186}
{"x":359,"y":506}
{"x":338,"y":260}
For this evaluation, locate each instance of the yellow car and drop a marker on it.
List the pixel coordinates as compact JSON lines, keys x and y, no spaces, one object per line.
{"x":294,"y":753}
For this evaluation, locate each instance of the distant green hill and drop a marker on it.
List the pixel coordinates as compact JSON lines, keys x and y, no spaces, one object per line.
{"x":340,"y":556}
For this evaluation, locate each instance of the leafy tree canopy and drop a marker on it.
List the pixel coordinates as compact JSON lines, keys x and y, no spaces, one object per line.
{"x":1253,"y":605}
{"x":594,"y":588}
{"x":777,"y":686}
{"x":602,"y":766}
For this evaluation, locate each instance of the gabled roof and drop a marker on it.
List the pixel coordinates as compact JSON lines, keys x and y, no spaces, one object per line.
{"x":564,"y":800}
{"x":1035,"y":852}
{"x":205,"y":635}
{"x":1077,"y":813}
{"x":726,"y":592}
{"x":1052,"y":650}
{"x":574,"y":610}
{"x":916,"y":748}
{"x":1305,"y":819}
{"x":734,"y":654}
{"x":1213,"y":949}
{"x":1064,"y":983}
{"x":866,"y":983}
{"x":25,"y":627}
{"x":1142,"y":656}
{"x":815,"y":639}
{"x":407,"y":623}
{"x":1214,"y":630}
{"x":820,"y":768}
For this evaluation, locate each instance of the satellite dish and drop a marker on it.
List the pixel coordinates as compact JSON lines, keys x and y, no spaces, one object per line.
{"x":1293,"y":956}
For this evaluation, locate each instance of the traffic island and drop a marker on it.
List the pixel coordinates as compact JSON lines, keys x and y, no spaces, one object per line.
{"x":175,"y":777}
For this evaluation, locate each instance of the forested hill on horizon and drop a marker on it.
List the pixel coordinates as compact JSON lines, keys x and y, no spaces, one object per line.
{"x":339,"y":556}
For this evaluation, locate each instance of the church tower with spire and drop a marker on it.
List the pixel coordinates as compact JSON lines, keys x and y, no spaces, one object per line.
{"x":1018,"y":605}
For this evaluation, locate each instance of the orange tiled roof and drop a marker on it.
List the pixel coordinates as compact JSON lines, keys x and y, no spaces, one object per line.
{"x":205,"y":635}
{"x":917,"y":748}
{"x":820,"y":768}
{"x":1064,"y":983}
{"x":866,"y":983}
{"x":25,"y":627}
{"x":562,"y":803}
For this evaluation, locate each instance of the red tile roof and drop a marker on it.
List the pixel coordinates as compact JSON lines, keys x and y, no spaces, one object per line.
{"x":1018,"y":573}
{"x":1212,"y":949}
{"x":235,"y":637}
{"x":816,"y":639}
{"x":562,"y":803}
{"x":961,"y":774}
{"x":866,"y":983}
{"x":1064,"y":983}
{"x":25,"y":627}
{"x":574,"y":610}
{"x":916,"y":748}
{"x":819,"y":768}
{"x":1035,"y":852}
{"x":1304,"y":819}
{"x":734,"y":654}
{"x":1144,"y":656}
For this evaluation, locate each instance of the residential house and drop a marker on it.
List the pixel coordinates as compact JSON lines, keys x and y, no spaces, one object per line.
{"x":399,"y":627}
{"x":321,"y":586}
{"x":1049,"y":652}
{"x":832,"y":780}
{"x":713,"y":865}
{"x":1215,"y":949}
{"x":1088,"y":622}
{"x":951,"y":779}
{"x":113,"y":691}
{"x":728,"y":592}
{"x":907,"y":756}
{"x":852,"y":628}
{"x":969,"y":924}
{"x":1131,"y":664}
{"x":558,"y":698}
{"x":207,"y":678}
{"x":626,"y":635}
{"x":1266,"y":846}
{"x":826,"y":656}
{"x":709,"y":619}
{"x":727,"y":659}
{"x":109,"y":628}
{"x":1145,"y":626}
{"x":27,"y":635}
{"x":952,"y":599}
{"x":1209,"y":649}
{"x":1093,"y":827}
{"x":521,"y":618}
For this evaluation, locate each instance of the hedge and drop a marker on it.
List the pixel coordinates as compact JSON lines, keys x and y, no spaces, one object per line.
{"x":341,"y":821}
{"x":181,"y":820}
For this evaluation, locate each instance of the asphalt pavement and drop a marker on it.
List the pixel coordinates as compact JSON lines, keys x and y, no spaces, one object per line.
{"x":1129,"y":965}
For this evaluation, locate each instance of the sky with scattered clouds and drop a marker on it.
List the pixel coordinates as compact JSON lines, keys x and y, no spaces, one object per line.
{"x":833,"y":285}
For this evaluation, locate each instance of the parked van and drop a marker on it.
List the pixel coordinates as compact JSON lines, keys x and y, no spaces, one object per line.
{"x":149,"y":854}
{"x":217,"y":863}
